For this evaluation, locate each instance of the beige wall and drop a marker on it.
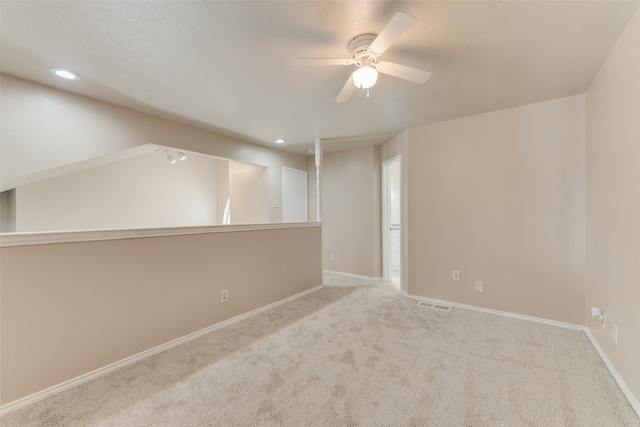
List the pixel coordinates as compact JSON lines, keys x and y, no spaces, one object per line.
{"x":500,"y":197}
{"x":393,"y":147}
{"x":144,"y":191}
{"x":613,"y":204}
{"x":70,"y":308}
{"x":73,"y":128}
{"x":106,"y":300}
{"x":248,"y":193}
{"x":351,"y":212}
{"x":8,"y":211}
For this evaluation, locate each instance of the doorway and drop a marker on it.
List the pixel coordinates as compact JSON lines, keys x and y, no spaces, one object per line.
{"x":391,"y":221}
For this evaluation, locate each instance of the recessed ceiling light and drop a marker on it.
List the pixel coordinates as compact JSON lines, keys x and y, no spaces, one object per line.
{"x":65,"y":74}
{"x":279,"y":141}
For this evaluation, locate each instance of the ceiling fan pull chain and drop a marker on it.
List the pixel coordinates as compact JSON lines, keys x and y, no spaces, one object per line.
{"x":367,"y":92}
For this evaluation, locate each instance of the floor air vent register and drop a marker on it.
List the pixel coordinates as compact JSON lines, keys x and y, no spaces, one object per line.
{"x":431,"y":305}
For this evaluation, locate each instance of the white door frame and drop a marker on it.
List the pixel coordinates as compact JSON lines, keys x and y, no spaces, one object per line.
{"x":386,"y":217}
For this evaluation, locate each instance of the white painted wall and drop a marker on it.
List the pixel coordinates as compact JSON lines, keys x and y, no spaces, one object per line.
{"x":613,"y":204}
{"x":248,"y":193}
{"x":144,"y":191}
{"x":295,"y":201}
{"x":312,"y":198}
{"x":8,"y":211}
{"x":44,"y":128}
{"x":222,"y":166}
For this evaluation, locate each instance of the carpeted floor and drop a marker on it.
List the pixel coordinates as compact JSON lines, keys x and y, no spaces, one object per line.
{"x":355,"y":353}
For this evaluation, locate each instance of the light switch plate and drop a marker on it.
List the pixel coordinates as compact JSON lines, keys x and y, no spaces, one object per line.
{"x":479,"y":287}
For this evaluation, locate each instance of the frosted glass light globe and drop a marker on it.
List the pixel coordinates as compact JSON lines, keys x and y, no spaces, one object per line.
{"x":365,"y":77}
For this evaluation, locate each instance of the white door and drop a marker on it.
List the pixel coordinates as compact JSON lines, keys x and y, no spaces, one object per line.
{"x":294,"y":195}
{"x":391,"y":221}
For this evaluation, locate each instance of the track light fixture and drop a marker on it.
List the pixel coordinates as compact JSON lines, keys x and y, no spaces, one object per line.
{"x":170,"y":158}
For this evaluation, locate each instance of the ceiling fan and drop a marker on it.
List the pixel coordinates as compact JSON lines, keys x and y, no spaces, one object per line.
{"x":365,"y":50}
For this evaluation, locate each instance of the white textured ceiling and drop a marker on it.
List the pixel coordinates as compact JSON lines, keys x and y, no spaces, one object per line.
{"x":227,"y":65}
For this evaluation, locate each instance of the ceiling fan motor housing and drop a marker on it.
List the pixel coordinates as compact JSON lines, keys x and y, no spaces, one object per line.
{"x":359,"y":48}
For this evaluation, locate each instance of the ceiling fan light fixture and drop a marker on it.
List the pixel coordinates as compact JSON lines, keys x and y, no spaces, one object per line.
{"x":365,"y":77}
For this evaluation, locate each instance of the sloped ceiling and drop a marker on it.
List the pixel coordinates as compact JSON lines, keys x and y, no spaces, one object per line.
{"x":227,"y":65}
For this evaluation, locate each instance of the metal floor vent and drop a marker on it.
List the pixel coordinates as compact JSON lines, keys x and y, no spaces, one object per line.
{"x":440,"y":307}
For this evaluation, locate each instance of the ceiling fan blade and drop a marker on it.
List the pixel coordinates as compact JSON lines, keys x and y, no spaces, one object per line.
{"x":403,"y":71}
{"x":347,"y":90}
{"x":399,"y":24}
{"x":322,"y":61}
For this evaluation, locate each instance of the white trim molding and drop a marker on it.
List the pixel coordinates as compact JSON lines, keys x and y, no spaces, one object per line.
{"x":32,"y":398}
{"x":623,"y":386}
{"x":500,"y":313}
{"x":45,"y":238}
{"x":356,"y":276}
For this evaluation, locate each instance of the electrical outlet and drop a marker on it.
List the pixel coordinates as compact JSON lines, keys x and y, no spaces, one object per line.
{"x":224,"y":295}
{"x":615,"y":333}
{"x":455,"y":275}
{"x":330,"y":257}
{"x":479,"y":287}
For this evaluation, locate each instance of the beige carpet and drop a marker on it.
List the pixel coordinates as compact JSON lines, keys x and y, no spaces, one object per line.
{"x":355,"y":353}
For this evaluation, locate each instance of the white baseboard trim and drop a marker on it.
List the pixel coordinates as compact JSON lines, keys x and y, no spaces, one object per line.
{"x":500,"y":313}
{"x":356,"y":276}
{"x":623,"y":386}
{"x":32,"y":398}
